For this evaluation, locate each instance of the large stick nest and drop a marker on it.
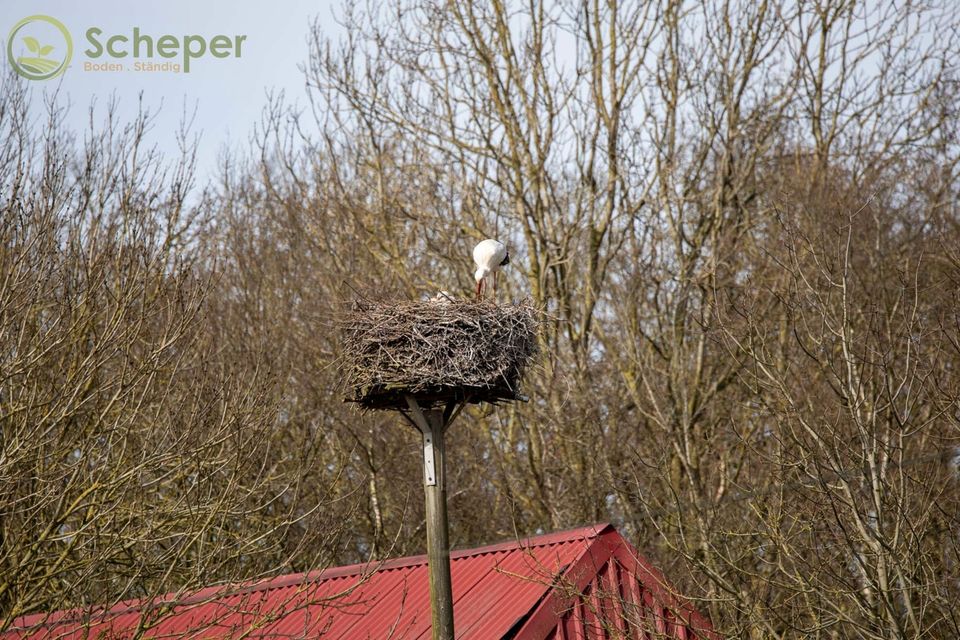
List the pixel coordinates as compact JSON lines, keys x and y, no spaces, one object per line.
{"x":437,"y":351}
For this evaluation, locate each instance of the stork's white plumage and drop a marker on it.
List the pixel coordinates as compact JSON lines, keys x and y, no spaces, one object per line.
{"x":489,"y":256}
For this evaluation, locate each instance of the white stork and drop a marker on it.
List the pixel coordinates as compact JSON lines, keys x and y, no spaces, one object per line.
{"x":489,"y":255}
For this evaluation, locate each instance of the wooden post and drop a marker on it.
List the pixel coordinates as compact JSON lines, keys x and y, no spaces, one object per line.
{"x":438,"y":542}
{"x":433,"y":424}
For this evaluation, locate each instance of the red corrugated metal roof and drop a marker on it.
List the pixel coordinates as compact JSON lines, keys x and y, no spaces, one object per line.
{"x":586,"y":583}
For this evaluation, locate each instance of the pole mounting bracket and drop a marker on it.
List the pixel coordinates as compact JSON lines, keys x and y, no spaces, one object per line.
{"x":418,"y":418}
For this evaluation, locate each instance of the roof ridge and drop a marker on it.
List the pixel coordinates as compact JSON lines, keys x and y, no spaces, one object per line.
{"x":542,"y":540}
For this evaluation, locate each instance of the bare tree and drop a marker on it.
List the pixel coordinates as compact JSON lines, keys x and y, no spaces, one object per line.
{"x":137,"y":456}
{"x":646,"y":160}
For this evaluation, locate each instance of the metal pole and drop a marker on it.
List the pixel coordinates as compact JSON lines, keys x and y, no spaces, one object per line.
{"x":432,"y":425}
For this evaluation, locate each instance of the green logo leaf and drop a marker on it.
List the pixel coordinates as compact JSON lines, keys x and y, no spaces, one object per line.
{"x":45,"y":50}
{"x":32,"y":44}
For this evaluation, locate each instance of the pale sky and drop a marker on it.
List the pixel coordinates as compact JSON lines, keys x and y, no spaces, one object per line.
{"x":228,"y":94}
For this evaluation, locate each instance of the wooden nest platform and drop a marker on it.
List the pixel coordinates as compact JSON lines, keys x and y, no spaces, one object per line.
{"x":439,"y":352}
